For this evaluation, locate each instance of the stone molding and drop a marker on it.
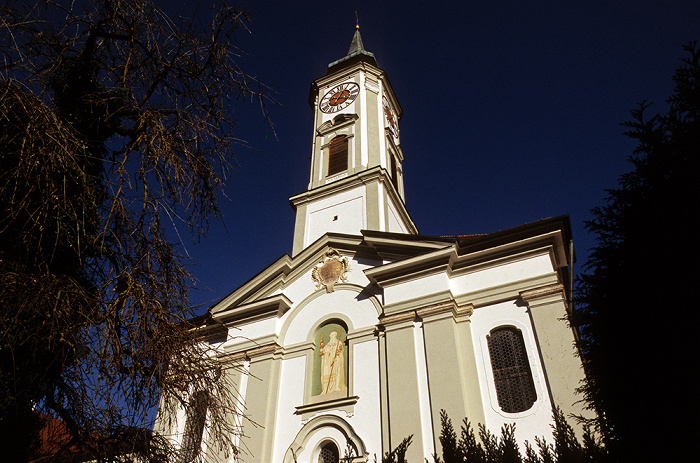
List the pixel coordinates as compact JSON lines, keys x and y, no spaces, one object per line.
{"x":443,"y":308}
{"x":346,"y":404}
{"x":532,"y":295}
{"x":250,"y":354}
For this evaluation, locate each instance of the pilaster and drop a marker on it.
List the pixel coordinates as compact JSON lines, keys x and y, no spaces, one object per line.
{"x":563,"y":370}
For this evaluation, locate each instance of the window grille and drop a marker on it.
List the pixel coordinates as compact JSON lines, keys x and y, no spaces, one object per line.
{"x":329,"y":454}
{"x":515,"y":387}
{"x":338,"y":155}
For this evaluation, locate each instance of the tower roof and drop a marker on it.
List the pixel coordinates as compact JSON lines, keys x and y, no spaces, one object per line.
{"x":356,"y":44}
{"x":356,"y":53}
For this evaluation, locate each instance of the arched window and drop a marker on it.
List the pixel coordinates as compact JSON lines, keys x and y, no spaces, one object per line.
{"x":329,"y":453}
{"x":330,"y":366}
{"x":194,"y":426}
{"x":515,"y":387}
{"x":338,"y":155}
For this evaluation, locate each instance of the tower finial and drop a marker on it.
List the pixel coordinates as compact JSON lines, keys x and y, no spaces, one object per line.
{"x":357,"y":21}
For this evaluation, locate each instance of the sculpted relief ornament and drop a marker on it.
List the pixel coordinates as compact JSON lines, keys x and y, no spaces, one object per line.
{"x":330,"y":270}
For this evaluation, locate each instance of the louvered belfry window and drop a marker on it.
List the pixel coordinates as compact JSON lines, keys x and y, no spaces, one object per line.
{"x":394,"y":173}
{"x":515,"y":388}
{"x":338,"y":155}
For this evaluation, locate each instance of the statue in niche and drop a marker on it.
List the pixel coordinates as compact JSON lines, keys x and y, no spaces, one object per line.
{"x":332,"y":364}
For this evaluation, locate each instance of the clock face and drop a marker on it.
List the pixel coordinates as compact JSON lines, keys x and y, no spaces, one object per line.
{"x":390,"y":117}
{"x":339,"y":97}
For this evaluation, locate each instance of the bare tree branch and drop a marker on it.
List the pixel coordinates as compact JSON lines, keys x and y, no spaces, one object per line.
{"x":116,"y":123}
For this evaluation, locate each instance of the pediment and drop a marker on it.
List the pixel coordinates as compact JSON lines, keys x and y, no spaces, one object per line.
{"x":271,"y":281}
{"x":262,"y":295}
{"x":338,"y":122}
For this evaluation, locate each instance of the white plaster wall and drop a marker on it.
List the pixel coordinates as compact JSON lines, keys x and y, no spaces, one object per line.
{"x":348,"y":206}
{"x":533,"y":422}
{"x":416,"y":288}
{"x":469,"y":282}
{"x":250,"y":331}
{"x":395,"y":225}
{"x":304,"y":286}
{"x":341,"y":303}
{"x":502,"y":274}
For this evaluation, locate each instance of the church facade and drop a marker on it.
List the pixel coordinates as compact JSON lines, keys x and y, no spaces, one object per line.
{"x":369,"y":329}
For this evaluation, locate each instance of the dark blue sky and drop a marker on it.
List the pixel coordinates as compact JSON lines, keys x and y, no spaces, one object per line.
{"x":511,"y":113}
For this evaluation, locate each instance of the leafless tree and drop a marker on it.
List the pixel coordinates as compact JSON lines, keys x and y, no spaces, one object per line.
{"x":116,"y":129}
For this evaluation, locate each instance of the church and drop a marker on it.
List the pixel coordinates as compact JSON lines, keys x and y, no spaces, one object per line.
{"x":369,"y":329}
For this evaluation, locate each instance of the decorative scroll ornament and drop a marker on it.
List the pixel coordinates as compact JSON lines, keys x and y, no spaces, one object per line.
{"x":331,"y":269}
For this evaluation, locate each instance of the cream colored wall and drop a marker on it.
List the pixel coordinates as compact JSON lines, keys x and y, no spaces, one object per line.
{"x":446,"y":368}
{"x":262,"y":403}
{"x":403,"y":389}
{"x":556,"y":343}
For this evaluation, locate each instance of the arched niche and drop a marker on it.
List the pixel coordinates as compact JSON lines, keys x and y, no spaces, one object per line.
{"x":320,"y":431}
{"x":347,"y":303}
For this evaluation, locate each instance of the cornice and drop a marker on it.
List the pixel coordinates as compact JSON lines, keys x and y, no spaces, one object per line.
{"x":281,"y":266}
{"x":544,"y":295}
{"x":554,"y":232}
{"x":441,"y":297}
{"x":411,"y":268}
{"x":450,"y":307}
{"x":541,"y":292}
{"x":452,"y":259}
{"x":394,"y":245}
{"x":250,"y":354}
{"x":505,"y":292}
{"x":375,"y":174}
{"x":275,"y":277}
{"x":348,"y":183}
{"x":427,"y":313}
{"x":344,"y":120}
{"x":271,"y":307}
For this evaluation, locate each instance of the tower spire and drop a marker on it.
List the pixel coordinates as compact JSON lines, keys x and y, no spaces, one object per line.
{"x":356,"y":44}
{"x":356,"y":52}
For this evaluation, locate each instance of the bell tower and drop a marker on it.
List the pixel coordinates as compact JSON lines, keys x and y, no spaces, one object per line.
{"x":356,"y":176}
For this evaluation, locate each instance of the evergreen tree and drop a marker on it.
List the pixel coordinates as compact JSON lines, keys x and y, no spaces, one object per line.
{"x":470,"y":448}
{"x":398,"y":455}
{"x":448,"y":440}
{"x":566,"y":446}
{"x":507,"y":446}
{"x":637,"y":299}
{"x":490,"y":448}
